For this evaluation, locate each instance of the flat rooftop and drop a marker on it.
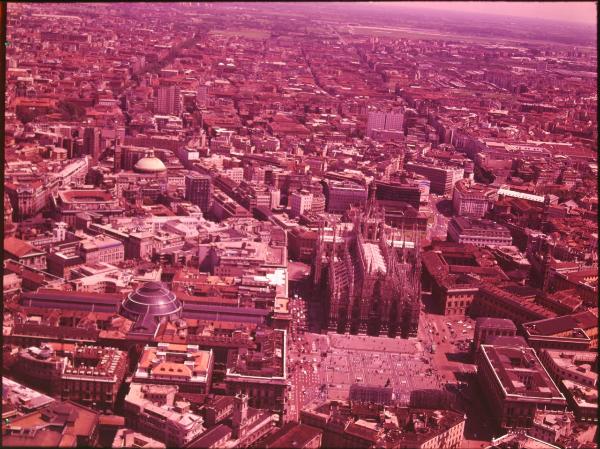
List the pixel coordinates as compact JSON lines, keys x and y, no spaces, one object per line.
{"x":495,"y":323}
{"x":521,"y":373}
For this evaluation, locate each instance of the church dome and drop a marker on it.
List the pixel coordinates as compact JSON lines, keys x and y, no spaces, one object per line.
{"x":150,"y":164}
{"x":149,"y":305}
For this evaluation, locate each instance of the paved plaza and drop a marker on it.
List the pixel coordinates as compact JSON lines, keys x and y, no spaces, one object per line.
{"x":375,"y":361}
{"x":326,"y":365}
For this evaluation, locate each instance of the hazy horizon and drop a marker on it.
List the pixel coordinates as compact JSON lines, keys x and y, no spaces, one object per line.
{"x":568,"y":12}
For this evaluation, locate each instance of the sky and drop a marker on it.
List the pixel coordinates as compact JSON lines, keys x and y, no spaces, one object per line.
{"x":581,"y":12}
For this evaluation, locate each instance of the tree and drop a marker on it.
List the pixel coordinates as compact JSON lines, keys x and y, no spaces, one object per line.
{"x":71,"y":111}
{"x":26,"y":115}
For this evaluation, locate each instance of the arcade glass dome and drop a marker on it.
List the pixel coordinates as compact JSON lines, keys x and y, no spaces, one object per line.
{"x":149,"y":164}
{"x":151,"y":304}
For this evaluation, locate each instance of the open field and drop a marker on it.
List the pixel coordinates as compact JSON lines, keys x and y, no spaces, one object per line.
{"x":245,"y":33}
{"x":408,"y":33}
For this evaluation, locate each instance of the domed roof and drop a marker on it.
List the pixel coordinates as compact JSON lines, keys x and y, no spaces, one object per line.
{"x":150,"y":164}
{"x":149,"y":304}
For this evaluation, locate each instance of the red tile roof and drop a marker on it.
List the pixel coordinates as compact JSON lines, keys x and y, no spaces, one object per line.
{"x":18,"y":248}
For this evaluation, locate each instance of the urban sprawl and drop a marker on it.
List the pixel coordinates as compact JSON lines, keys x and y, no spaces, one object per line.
{"x":277,"y":226}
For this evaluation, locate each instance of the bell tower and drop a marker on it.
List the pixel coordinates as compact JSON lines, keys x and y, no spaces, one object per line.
{"x":240,"y":414}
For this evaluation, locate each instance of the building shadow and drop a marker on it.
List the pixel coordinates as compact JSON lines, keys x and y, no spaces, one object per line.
{"x":444,"y":207}
{"x":479,"y":424}
{"x":428,"y":302}
{"x":459,"y":357}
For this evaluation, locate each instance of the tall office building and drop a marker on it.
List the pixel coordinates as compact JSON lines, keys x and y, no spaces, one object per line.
{"x":388,"y":121}
{"x":91,"y":142}
{"x":118,"y":157}
{"x":407,"y":192}
{"x":340,"y":195}
{"x":442,"y":178}
{"x":199,"y":190}
{"x":472,"y":200}
{"x":202,"y":95}
{"x":300,"y":202}
{"x":168,"y":100}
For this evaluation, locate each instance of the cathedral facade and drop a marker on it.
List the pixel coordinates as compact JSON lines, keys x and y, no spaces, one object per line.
{"x":370,"y":277}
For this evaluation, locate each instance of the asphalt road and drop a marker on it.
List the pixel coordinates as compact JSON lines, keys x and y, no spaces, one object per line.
{"x":305,"y":369}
